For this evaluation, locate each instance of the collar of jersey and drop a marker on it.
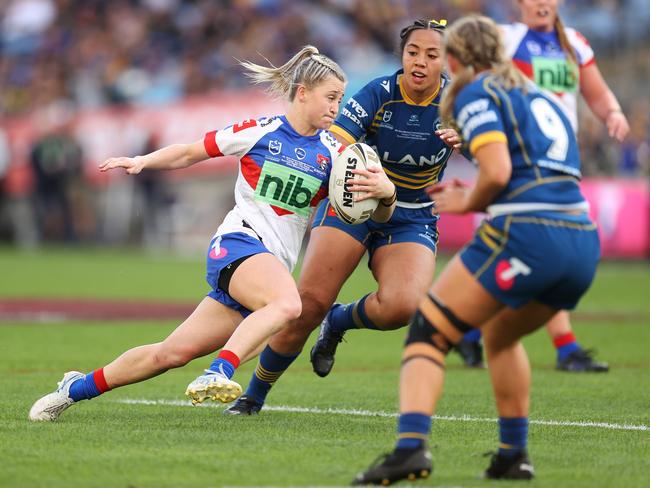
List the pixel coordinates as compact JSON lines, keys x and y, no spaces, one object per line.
{"x":544,"y":35}
{"x":408,"y":99}
{"x":295,"y":133}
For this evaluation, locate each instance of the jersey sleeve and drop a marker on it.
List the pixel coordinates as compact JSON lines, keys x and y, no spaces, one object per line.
{"x":359,"y":111}
{"x":479,"y":118}
{"x":582,"y":47}
{"x":512,"y":35}
{"x":235,"y":140}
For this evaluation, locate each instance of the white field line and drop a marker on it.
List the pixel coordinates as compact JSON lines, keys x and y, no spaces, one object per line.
{"x":369,"y":413}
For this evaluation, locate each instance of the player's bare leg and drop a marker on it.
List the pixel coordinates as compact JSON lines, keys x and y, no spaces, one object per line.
{"x":263,"y":284}
{"x":403,"y":272}
{"x":331,"y":257}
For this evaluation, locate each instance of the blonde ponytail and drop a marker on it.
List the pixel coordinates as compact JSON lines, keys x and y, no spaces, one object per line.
{"x":564,"y":40}
{"x":475,"y":41}
{"x":307,"y":67}
{"x":449,"y":96}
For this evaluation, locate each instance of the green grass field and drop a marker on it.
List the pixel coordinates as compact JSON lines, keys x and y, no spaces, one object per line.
{"x":586,"y":431}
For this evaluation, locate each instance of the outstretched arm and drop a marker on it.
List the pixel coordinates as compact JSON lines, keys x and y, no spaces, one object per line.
{"x":175,"y":156}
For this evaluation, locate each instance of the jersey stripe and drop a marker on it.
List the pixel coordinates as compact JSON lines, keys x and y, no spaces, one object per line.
{"x":486,"y":138}
{"x":340,"y":131}
{"x":210,"y":143}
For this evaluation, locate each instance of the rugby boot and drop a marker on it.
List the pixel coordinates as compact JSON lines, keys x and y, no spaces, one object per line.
{"x":214,"y":385}
{"x":581,"y":361}
{"x":245,"y":405}
{"x":52,"y":405}
{"x":322,"y":354}
{"x":471,"y":352}
{"x":510,"y":468}
{"x":401,"y":464}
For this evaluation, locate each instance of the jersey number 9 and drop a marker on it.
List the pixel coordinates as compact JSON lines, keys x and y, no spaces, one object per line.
{"x":552,"y":127}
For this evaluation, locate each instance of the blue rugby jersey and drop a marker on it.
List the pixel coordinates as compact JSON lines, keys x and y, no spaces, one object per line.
{"x":401,"y":131}
{"x":540,"y":139}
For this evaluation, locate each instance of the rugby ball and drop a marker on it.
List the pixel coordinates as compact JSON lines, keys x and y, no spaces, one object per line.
{"x":355,"y":156}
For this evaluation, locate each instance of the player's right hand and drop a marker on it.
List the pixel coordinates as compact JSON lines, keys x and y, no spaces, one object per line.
{"x":133,"y":166}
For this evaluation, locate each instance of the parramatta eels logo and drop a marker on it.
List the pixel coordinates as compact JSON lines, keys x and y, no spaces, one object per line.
{"x":275,"y":146}
{"x":300,"y":153}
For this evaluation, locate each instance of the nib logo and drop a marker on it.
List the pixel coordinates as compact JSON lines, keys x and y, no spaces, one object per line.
{"x":506,"y":272}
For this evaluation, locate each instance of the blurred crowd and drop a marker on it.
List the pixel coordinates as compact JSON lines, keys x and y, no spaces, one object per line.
{"x":96,"y":52}
{"x":87,"y":54}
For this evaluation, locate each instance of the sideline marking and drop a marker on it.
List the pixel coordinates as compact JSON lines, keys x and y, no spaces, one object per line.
{"x":369,"y":413}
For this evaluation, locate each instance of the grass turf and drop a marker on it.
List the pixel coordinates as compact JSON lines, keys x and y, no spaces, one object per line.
{"x":109,"y":443}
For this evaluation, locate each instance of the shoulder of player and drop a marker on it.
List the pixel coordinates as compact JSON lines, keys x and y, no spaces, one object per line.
{"x":330,"y":142}
{"x":383,"y":87}
{"x":251,"y":127}
{"x":479,"y":87}
{"x":474,"y":97}
{"x":577,"y":39}
{"x":514,"y":32}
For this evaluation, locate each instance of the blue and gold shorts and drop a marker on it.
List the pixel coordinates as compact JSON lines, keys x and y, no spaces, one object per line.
{"x":545,"y":256}
{"x":406,"y":225}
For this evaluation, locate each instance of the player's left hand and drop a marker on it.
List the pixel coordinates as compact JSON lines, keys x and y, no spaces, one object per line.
{"x":617,"y":125}
{"x":449,"y":197}
{"x":372,"y":182}
{"x":450,"y":137}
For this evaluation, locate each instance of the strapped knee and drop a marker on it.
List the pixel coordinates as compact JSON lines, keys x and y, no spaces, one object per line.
{"x":442,"y":338}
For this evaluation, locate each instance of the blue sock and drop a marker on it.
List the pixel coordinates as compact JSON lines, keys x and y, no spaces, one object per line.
{"x":473,"y":335}
{"x":565,"y":345}
{"x":270,"y":367}
{"x":350,"y":316}
{"x":412,"y":430}
{"x":513,"y":435}
{"x":90,"y":386}
{"x":226,"y":363}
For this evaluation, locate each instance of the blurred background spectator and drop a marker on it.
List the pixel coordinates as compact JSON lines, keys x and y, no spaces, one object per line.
{"x":113,"y":64}
{"x":97,"y":52}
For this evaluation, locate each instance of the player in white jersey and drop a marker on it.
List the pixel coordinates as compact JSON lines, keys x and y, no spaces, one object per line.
{"x":284,"y":167}
{"x":560,"y":60}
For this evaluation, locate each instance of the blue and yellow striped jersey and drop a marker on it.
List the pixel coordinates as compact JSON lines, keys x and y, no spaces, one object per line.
{"x":540,"y":139}
{"x":401,"y":131}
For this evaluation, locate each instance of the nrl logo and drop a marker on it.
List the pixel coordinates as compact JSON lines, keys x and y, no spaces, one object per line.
{"x":275,"y":146}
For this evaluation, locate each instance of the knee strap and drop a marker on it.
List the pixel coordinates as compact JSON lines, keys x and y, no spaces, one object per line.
{"x":443,"y":337}
{"x":462,"y":326}
{"x":422,"y":330}
{"x":424,"y":356}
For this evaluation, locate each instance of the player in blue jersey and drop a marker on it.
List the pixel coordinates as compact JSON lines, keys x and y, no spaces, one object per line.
{"x":560,"y":60}
{"x":537,"y":253}
{"x":397,"y":115}
{"x":284,"y":167}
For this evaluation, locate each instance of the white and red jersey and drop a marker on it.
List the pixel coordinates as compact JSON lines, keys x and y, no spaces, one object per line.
{"x":282,"y":177}
{"x":541,"y":58}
